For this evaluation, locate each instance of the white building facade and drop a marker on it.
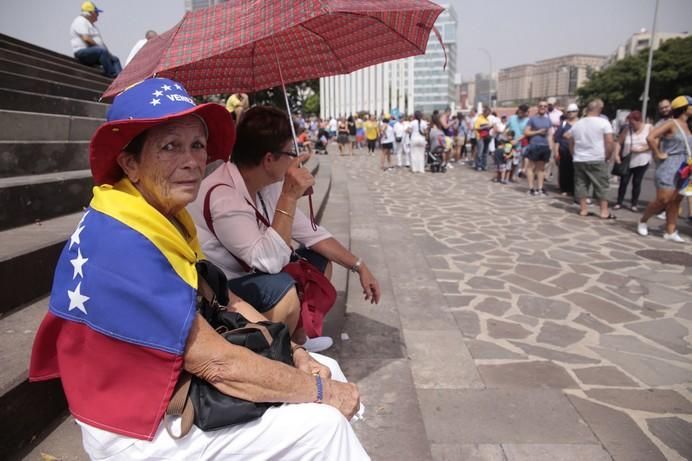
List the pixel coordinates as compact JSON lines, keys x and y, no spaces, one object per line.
{"x":402,"y":86}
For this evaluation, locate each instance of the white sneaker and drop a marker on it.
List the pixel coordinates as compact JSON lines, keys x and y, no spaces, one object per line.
{"x":642,"y":229}
{"x":661,"y":216}
{"x":674,"y":237}
{"x":319,"y":344}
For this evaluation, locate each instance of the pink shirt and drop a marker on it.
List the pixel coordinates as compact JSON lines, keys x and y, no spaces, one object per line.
{"x":237,"y":228}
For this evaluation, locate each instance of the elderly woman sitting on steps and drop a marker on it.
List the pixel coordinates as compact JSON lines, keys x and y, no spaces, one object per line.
{"x":261,"y":185}
{"x":122,"y":323}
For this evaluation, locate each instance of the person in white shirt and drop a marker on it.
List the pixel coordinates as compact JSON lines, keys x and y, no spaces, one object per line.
{"x":261,"y":185}
{"x":418,"y":133}
{"x":591,"y":145}
{"x":399,"y":143}
{"x":636,"y":153}
{"x":139,"y":45}
{"x":87,"y":44}
{"x":387,"y":144}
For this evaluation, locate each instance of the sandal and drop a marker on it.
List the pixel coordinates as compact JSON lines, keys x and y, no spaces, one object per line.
{"x":610,"y":216}
{"x":617,"y":206}
{"x":590,"y":213}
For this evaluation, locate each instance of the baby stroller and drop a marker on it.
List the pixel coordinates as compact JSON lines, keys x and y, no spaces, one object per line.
{"x":436,"y":160}
{"x":321,"y":142}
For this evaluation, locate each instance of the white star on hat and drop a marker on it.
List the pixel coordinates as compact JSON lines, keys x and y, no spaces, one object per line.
{"x":78,"y":262}
{"x":157,"y":93}
{"x":77,"y":299}
{"x":75,"y":236}
{"x":155,"y":102}
{"x":178,"y":86}
{"x":166,"y":88}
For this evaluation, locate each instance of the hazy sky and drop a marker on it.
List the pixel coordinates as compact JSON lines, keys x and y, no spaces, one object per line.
{"x":514,"y":32}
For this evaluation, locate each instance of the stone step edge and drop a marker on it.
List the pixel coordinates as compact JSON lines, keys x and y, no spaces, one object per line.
{"x":97,"y":93}
{"x":51,"y":55}
{"x":27,"y":112}
{"x":52,"y":96}
{"x":18,"y":181}
{"x":55,"y":65}
{"x":70,"y":78}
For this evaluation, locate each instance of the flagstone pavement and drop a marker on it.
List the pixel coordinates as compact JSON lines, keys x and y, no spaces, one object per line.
{"x":510,"y":328}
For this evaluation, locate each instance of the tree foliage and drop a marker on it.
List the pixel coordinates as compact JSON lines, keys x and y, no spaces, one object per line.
{"x":621,"y":85}
{"x":298,"y":95}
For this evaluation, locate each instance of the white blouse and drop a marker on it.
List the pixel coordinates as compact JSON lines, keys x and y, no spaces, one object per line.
{"x":238,"y":229}
{"x":638,"y":140}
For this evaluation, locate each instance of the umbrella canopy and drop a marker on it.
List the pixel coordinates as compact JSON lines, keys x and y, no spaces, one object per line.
{"x":236,"y":46}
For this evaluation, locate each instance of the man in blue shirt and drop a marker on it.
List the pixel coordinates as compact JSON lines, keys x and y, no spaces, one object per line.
{"x":517,"y":123}
{"x":537,"y":130}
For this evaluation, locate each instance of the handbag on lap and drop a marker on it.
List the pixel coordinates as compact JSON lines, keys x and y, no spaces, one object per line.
{"x":199,"y":402}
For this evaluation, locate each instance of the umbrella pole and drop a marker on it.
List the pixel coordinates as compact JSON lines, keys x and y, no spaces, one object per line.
{"x":288,"y":106}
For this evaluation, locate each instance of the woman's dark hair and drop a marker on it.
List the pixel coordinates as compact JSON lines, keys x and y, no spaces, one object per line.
{"x":679,"y":111}
{"x":135,"y":146}
{"x":261,"y":129}
{"x":435,"y":120}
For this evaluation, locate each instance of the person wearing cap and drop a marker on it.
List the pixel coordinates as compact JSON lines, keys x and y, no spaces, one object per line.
{"x":670,"y":143}
{"x":122,"y":322}
{"x":88,"y":46}
{"x":632,"y":138}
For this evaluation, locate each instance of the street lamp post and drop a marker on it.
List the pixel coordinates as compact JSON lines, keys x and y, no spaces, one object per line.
{"x":648,"y":66}
{"x":490,"y":76}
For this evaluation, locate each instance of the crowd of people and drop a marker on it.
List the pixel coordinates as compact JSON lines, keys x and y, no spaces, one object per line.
{"x":584,"y":150}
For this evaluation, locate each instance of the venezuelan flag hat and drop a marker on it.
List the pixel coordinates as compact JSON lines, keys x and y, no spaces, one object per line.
{"x":142,"y":106}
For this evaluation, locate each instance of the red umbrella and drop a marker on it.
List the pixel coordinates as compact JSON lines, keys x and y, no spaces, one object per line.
{"x":246,"y":46}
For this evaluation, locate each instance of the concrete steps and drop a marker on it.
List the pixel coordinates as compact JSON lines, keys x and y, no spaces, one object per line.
{"x":21,"y":158}
{"x":29,"y":101}
{"x":27,"y":259}
{"x":48,"y":113}
{"x":27,"y":199}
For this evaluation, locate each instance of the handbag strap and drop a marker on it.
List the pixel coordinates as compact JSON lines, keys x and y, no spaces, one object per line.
{"x":210,"y":223}
{"x":180,"y":403}
{"x":684,"y":138}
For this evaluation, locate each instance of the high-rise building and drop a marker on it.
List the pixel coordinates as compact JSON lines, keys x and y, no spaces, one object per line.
{"x":641,"y":41}
{"x":404,"y":85}
{"x":191,"y":5}
{"x":558,"y":77}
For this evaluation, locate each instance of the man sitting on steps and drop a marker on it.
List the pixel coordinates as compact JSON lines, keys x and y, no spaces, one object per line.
{"x":88,"y":46}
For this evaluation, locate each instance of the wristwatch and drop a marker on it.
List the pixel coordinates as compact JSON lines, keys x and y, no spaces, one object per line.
{"x":356,"y":266}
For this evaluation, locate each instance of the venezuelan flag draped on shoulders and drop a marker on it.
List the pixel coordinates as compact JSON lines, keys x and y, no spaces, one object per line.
{"x":121,"y":307}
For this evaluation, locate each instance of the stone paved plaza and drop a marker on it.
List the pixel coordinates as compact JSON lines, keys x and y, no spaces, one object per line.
{"x":511,"y":328}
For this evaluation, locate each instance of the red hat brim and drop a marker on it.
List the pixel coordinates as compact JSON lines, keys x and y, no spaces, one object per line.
{"x":112,"y":137}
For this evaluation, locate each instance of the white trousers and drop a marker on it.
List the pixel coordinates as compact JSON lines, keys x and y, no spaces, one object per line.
{"x":300,"y":432}
{"x":417,"y":159}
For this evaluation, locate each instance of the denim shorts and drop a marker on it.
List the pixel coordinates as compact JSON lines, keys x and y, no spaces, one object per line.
{"x":666,"y":172}
{"x":264,"y":291}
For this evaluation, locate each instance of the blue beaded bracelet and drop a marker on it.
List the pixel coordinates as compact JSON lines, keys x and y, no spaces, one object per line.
{"x":320,"y":394}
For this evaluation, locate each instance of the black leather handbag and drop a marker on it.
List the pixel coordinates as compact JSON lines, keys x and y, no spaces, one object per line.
{"x":197,"y":401}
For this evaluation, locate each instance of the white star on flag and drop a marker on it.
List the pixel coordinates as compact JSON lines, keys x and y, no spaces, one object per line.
{"x":166,"y":88}
{"x":75,"y":236}
{"x":77,"y":299}
{"x":178,"y":86}
{"x":157,"y":93}
{"x":155,"y":102}
{"x":83,"y":216}
{"x":78,"y":262}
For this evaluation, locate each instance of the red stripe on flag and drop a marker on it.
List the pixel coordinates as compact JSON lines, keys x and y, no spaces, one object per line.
{"x":110,"y":384}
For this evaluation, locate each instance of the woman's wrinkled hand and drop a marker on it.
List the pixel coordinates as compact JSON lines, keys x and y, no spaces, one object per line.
{"x":371,"y":288}
{"x":304,"y":362}
{"x":345,"y":397}
{"x":297,"y":179}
